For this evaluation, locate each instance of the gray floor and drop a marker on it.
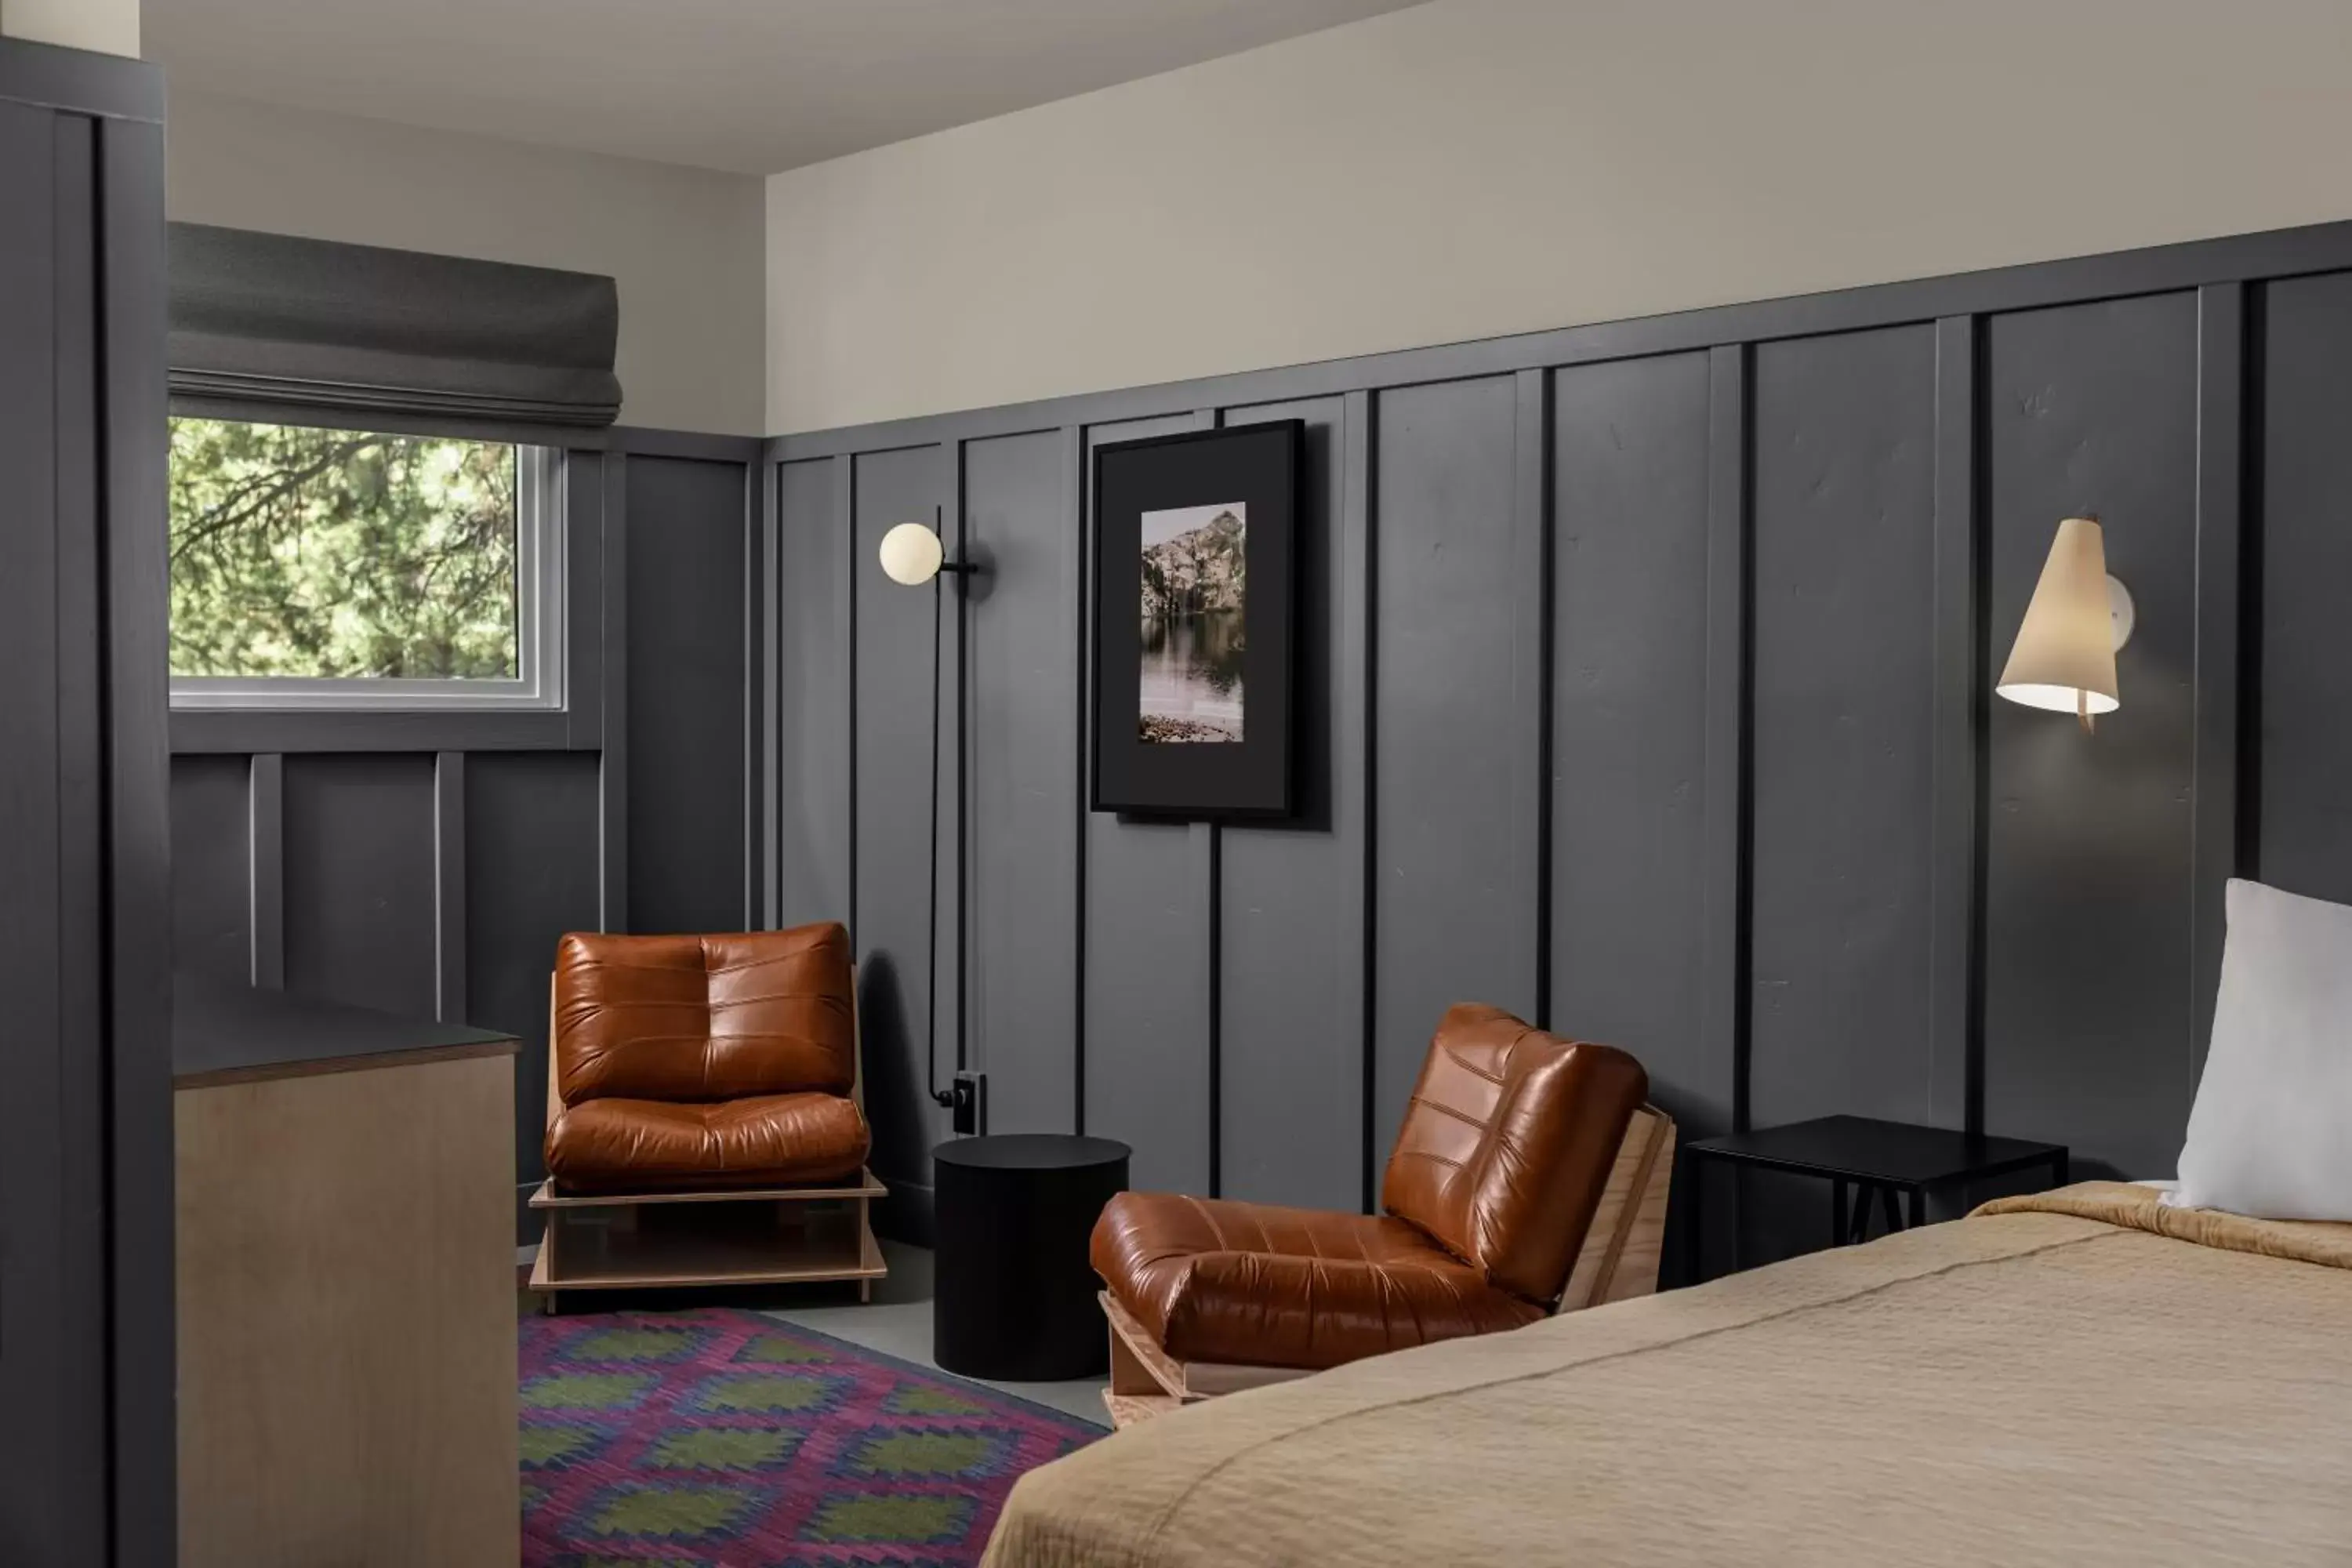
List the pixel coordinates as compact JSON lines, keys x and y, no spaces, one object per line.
{"x":898,"y":1322}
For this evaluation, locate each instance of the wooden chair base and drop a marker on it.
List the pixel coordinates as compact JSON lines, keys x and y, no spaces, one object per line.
{"x":1145,"y":1381}
{"x":770,"y":1236}
{"x":1619,"y":1260}
{"x":598,"y":1241}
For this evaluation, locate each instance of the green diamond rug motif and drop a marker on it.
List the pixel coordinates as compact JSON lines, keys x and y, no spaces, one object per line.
{"x":765,"y":1393}
{"x":910,"y":1519}
{"x":927,"y":1454}
{"x":545,"y":1446}
{"x":674,"y":1511}
{"x":923,"y":1399}
{"x":640,"y":1344}
{"x":722,"y":1448}
{"x":587,"y":1390}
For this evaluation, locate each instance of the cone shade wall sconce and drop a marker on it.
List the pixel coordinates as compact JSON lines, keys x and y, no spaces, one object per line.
{"x":2064,"y":655}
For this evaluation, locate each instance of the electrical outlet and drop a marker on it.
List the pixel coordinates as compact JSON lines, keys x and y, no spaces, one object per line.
{"x":971,"y":1103}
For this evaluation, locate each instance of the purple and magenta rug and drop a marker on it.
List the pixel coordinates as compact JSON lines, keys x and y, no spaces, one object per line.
{"x":723,"y":1438}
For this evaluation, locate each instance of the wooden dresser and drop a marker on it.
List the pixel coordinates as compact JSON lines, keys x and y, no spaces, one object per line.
{"x":346,"y":1286}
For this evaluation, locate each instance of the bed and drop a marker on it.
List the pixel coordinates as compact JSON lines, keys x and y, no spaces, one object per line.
{"x":2083,"y":1376}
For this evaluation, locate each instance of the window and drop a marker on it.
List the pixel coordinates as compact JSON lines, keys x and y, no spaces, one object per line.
{"x":328,"y":569}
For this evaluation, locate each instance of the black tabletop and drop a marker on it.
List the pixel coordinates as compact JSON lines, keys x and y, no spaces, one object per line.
{"x":222,"y":1032}
{"x":1861,"y":1149}
{"x":1031,"y":1151}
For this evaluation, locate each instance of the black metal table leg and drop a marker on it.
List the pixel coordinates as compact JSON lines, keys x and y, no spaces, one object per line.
{"x":1837,"y":1211}
{"x":1858,"y":1231}
{"x":1919,"y":1207}
{"x":1886,"y":1202}
{"x":1693,"y":1219}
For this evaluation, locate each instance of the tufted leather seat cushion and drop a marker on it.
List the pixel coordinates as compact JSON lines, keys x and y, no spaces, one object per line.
{"x":650,"y":1145}
{"x":705,"y":1061}
{"x":1216,"y":1280}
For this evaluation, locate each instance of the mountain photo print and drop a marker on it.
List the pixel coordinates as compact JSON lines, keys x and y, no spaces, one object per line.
{"x":1193,"y":598}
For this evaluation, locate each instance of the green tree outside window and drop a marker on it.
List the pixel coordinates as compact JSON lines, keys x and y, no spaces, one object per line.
{"x":316,"y":553}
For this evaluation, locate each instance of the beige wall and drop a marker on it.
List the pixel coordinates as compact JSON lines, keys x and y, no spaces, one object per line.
{"x":1477,"y":167}
{"x":684,"y":243}
{"x":111,"y":26}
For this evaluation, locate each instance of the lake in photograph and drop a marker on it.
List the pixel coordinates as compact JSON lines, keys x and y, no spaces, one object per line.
{"x":1195,"y":601}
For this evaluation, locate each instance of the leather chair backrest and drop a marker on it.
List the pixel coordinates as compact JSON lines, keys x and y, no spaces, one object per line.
{"x":704,"y":1017}
{"x":1508,"y":1144}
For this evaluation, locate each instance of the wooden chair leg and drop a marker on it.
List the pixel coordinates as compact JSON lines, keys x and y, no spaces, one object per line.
{"x":1127,"y":1372}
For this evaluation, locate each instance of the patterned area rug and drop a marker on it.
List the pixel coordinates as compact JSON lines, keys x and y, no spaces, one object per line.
{"x":722,"y":1438}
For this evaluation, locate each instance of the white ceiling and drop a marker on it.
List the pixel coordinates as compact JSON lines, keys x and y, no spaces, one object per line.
{"x":749,"y":85}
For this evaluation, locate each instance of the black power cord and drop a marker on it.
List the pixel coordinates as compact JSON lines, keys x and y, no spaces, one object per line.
{"x":932,"y":961}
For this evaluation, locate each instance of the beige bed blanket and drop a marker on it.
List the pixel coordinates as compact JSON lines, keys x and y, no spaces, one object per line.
{"x":2081,"y":1377}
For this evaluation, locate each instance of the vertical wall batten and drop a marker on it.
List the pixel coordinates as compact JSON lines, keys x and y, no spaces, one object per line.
{"x":612,"y":814}
{"x":1729,"y":661}
{"x":266,"y":879}
{"x":1076,"y":513}
{"x":759,"y":660}
{"x":587,"y":557}
{"x":1531,"y":548}
{"x":1954,"y":1046}
{"x":449,"y":887}
{"x":1360,"y":639}
{"x":845,"y":492}
{"x":2221,"y":383}
{"x":1208,"y":879}
{"x":1206,"y":859}
{"x":766,"y":785}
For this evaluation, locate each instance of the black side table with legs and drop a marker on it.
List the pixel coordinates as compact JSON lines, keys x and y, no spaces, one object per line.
{"x":1876,"y":1159}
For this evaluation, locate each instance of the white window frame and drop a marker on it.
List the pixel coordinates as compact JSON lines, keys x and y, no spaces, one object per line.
{"x":540,"y":644}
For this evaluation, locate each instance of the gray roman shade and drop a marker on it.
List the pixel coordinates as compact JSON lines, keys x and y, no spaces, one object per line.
{"x":355,"y":330}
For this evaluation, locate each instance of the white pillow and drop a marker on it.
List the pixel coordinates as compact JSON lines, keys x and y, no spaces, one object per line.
{"x":2270,"y":1133}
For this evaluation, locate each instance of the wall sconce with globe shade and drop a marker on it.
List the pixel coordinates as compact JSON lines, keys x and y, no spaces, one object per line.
{"x":912,"y":554}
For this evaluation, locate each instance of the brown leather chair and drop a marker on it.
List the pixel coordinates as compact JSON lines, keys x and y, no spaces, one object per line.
{"x":1517,"y":1147}
{"x":691,"y":1063}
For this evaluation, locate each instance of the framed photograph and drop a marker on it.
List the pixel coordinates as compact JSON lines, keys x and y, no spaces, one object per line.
{"x":1195,"y":566}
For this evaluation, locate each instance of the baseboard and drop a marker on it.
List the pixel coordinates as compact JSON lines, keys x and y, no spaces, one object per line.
{"x":907,"y":1214}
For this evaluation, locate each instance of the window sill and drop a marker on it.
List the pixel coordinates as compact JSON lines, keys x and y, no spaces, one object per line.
{"x":248,"y":730}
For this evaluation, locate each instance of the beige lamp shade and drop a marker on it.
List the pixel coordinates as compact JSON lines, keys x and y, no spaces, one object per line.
{"x":911,"y":554}
{"x":2065,"y":656}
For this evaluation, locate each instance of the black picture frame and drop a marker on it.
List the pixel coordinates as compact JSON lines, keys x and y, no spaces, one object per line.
{"x":1253,"y":471}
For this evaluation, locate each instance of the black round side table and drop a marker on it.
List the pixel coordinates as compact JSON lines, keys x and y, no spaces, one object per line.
{"x":1013,"y":1296}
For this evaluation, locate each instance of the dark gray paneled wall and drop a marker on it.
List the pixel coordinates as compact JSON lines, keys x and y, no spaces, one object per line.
{"x":2088,"y":996}
{"x":86,"y":1342}
{"x":431,"y":869}
{"x":1843,"y":529}
{"x":1649,"y":672}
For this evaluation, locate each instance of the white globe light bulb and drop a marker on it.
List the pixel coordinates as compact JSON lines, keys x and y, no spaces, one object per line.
{"x":911,"y":554}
